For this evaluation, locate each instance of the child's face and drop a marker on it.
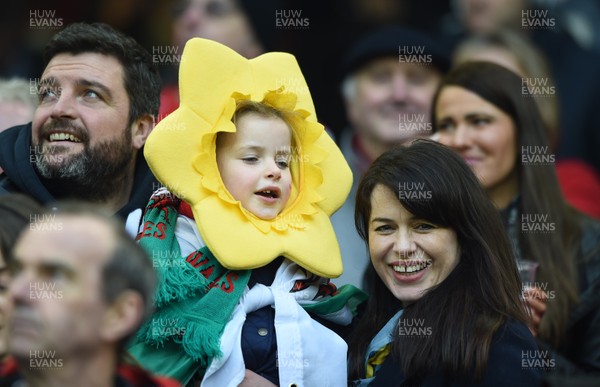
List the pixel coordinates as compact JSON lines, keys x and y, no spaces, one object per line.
{"x":254,"y":164}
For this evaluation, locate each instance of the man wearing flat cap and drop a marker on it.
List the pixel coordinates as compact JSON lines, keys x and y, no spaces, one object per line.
{"x":390,"y":77}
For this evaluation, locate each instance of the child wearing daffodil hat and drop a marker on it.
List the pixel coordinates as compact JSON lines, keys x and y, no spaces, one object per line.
{"x":240,"y":236}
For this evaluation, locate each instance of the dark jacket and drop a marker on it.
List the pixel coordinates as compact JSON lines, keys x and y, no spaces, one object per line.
{"x":513,"y":362}
{"x":20,"y":175}
{"x":580,"y":354}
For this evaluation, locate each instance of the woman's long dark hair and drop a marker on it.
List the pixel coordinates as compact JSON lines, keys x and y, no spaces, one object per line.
{"x":555,"y":252}
{"x":464,"y":311}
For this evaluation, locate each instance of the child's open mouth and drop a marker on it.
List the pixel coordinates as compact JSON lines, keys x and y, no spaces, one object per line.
{"x":271,"y":193}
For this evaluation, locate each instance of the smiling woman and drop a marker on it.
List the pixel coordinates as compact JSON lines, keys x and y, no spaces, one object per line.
{"x":445,"y":302}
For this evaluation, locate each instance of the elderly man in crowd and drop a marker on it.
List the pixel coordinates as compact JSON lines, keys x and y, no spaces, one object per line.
{"x":390,"y":78}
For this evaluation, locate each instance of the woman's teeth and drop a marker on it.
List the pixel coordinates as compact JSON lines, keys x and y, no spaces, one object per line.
{"x":418,"y":266}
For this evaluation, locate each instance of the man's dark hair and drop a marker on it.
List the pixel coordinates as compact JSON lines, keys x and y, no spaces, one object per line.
{"x":141,"y":78}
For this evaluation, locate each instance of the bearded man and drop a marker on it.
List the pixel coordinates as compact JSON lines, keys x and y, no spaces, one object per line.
{"x":98,"y":100}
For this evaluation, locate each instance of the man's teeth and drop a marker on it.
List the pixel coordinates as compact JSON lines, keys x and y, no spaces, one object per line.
{"x":63,"y":137}
{"x":410,"y":269}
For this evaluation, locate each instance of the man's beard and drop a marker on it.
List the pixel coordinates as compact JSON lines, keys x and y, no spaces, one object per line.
{"x":95,"y":174}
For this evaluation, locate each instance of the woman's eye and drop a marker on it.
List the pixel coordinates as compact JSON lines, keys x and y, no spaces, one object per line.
{"x":481,"y":121}
{"x":384,"y":229}
{"x":444,"y":126}
{"x":424,"y":226}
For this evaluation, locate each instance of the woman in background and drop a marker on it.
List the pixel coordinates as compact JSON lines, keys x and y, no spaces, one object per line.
{"x":579,"y":181}
{"x":481,"y":113}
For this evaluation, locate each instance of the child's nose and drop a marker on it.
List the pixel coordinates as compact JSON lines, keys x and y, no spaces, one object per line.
{"x":273,"y":171}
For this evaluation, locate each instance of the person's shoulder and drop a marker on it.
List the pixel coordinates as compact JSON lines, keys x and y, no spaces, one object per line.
{"x":589,"y":258}
{"x":10,"y":140}
{"x":14,"y":131}
{"x":512,"y":329}
{"x":7,"y":187}
{"x":590,"y":236}
{"x":512,"y":337}
{"x":511,"y":345}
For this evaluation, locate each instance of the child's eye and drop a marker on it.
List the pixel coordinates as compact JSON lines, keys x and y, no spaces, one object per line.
{"x":283,"y":164}
{"x":250,"y":159}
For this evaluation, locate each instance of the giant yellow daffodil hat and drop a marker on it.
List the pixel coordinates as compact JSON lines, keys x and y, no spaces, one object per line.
{"x":181,"y":152}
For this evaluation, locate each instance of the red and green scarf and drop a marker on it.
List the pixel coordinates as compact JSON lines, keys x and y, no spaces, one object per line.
{"x":196,"y":297}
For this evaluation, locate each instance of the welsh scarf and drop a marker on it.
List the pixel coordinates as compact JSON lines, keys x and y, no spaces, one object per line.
{"x":196,"y":297}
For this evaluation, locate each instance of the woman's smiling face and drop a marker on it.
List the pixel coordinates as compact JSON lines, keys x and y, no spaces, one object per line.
{"x":409,"y":254}
{"x":483,"y":135}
